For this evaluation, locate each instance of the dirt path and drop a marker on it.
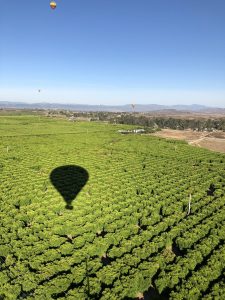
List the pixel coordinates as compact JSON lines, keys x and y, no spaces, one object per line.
{"x":196,"y":142}
{"x":214,"y":141}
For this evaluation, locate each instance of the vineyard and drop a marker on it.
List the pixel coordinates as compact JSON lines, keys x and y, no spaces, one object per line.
{"x":88,"y":213}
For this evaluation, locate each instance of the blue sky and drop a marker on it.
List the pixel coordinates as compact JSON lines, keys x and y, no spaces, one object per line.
{"x":113,"y":51}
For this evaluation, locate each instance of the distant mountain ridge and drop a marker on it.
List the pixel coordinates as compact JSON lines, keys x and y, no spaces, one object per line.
{"x":110,"y":108}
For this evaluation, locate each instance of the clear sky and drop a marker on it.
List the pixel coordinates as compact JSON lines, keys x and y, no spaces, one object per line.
{"x":113,"y":51}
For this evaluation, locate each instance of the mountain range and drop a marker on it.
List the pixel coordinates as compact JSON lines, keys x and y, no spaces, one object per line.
{"x":110,"y":108}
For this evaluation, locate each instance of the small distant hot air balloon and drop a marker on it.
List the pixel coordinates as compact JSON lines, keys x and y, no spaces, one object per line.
{"x":52,"y":4}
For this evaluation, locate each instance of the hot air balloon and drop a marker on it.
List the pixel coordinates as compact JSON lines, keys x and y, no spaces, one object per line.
{"x":133,"y":106}
{"x":52,"y":4}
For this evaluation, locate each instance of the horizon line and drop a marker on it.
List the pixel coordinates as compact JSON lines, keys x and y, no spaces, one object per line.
{"x":107,"y":105}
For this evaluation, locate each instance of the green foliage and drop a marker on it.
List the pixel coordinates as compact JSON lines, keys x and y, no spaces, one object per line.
{"x":130,"y":219}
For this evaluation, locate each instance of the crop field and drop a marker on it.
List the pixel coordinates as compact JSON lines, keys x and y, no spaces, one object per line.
{"x":88,"y":213}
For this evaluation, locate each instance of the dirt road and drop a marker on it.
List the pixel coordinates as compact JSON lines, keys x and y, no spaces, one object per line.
{"x":214,"y":141}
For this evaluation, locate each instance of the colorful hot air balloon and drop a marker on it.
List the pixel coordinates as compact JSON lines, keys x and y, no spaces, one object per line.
{"x":52,"y":4}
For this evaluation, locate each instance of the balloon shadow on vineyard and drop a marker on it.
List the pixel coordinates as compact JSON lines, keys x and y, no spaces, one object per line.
{"x":69,"y":181}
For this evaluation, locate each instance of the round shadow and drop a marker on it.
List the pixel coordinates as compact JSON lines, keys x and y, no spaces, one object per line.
{"x":69,"y":180}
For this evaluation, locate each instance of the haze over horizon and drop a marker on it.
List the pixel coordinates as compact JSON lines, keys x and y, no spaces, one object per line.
{"x":113,"y":52}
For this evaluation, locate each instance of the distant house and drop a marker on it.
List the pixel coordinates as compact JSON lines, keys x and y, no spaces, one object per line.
{"x":131,"y":131}
{"x":138,"y":130}
{"x":72,"y":119}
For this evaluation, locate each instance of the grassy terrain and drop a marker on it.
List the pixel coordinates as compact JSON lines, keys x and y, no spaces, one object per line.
{"x":127,"y":233}
{"x":21,"y":112}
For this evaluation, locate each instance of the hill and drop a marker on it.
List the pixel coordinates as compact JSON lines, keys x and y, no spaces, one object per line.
{"x":118,"y":108}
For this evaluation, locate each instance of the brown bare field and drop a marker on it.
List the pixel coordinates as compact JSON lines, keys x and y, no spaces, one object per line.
{"x":214,"y":141}
{"x":186,"y":115}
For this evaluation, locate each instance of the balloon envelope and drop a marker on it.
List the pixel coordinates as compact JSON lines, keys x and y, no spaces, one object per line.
{"x":53,"y":4}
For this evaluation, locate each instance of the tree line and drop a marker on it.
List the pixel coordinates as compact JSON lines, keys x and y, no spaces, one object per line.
{"x":150,"y":121}
{"x":172,"y":123}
